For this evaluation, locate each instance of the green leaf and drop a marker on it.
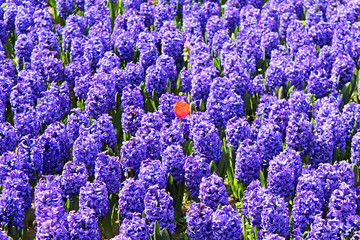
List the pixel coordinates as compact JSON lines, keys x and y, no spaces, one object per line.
{"x":168,"y":86}
{"x":157,"y":234}
{"x":143,"y":214}
{"x":233,"y":183}
{"x":355,"y":169}
{"x":216,"y":64}
{"x":165,"y":235}
{"x":187,"y":147}
{"x":212,"y":167}
{"x":154,"y":100}
{"x":202,"y":106}
{"x":262,"y":179}
{"x":192,"y":108}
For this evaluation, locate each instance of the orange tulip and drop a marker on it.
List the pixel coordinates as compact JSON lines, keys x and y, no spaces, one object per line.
{"x":181,"y":109}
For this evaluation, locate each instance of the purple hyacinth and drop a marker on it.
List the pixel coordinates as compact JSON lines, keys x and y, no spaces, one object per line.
{"x":108,"y":62}
{"x":64,"y":7}
{"x":279,"y":115}
{"x":12,"y":208}
{"x":355,"y":36}
{"x":195,"y":169}
{"x":18,"y":181}
{"x":9,"y":16}
{"x":156,"y":80}
{"x":74,"y":71}
{"x":21,"y":94}
{"x":73,"y":177}
{"x":248,"y":162}
{"x":299,"y":102}
{"x":226,"y":223}
{"x":163,"y":12}
{"x":131,"y":119}
{"x":200,"y":84}
{"x":131,"y":96}
{"x":327,"y":57}
{"x":171,"y":45}
{"x":213,"y":192}
{"x":9,"y":162}
{"x":254,"y":196}
{"x":298,"y":133}
{"x":3,"y":235}
{"x":135,"y":73}
{"x":147,"y":11}
{"x":23,"y":48}
{"x":94,"y":50}
{"x":342,"y":203}
{"x":53,"y":225}
{"x":269,"y":142}
{"x":333,"y":175}
{"x":2,"y":111}
{"x":132,"y":153}
{"x":185,"y":78}
{"x":148,"y":56}
{"x":75,"y":119}
{"x":173,"y":160}
{"x":8,"y":138}
{"x":158,"y":207}
{"x":306,"y":205}
{"x":170,"y":135}
{"x":47,"y":196}
{"x":100,"y":98}
{"x":34,"y":79}
{"x":48,"y":40}
{"x":349,"y":115}
{"x":296,"y":36}
{"x":198,"y":218}
{"x":131,"y":198}
{"x":167,"y":63}
{"x":152,"y":172}
{"x":72,"y":29}
{"x":214,"y":25}
{"x":273,"y":236}
{"x":95,"y":196}
{"x":151,"y":138}
{"x":275,"y":74}
{"x":26,"y":122}
{"x":85,"y":150}
{"x":206,"y":141}
{"x":269,"y":42}
{"x":53,"y":104}
{"x":274,"y":215}
{"x":326,"y":229}
{"x":83,"y":224}
{"x":322,"y":146}
{"x":231,"y":16}
{"x":222,"y":104}
{"x":283,"y":173}
{"x":133,"y":228}
{"x":29,"y":153}
{"x":103,"y":130}
{"x":108,"y":171}
{"x":120,"y":78}
{"x":285,"y":20}
{"x":56,"y":146}
{"x":123,"y":44}
{"x":321,"y":34}
{"x":82,"y":85}
{"x":343,"y":68}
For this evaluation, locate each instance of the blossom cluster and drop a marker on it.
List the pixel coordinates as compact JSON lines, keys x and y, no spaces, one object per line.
{"x":237,"y":117}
